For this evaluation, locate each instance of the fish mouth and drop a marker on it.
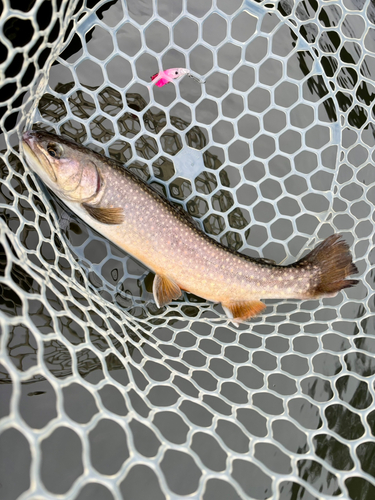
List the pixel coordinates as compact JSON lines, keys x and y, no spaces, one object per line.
{"x":27,"y":140}
{"x":31,"y":150}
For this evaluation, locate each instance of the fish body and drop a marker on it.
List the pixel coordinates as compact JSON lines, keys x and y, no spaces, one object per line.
{"x":124,"y":209}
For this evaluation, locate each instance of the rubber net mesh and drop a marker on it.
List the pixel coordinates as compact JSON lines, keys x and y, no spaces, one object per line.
{"x":105,"y":396}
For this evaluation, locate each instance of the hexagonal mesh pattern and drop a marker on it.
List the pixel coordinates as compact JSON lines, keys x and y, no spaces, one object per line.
{"x":105,"y":396}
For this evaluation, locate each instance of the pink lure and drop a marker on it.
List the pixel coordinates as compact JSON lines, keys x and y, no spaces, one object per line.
{"x":165,"y":77}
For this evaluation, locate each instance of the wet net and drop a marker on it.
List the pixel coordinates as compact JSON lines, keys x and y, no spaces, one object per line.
{"x":105,"y":396}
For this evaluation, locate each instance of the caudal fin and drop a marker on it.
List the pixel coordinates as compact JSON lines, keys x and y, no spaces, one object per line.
{"x":333,"y":262}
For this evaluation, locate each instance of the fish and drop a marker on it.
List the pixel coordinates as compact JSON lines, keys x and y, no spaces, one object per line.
{"x":130,"y":213}
{"x":166,"y":76}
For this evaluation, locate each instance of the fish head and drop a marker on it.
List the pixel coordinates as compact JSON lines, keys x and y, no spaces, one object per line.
{"x":63,"y":165}
{"x":176,"y":72}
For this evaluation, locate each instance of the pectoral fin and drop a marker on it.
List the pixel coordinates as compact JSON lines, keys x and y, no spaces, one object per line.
{"x":165,"y":290}
{"x":241,"y":311}
{"x":104,"y":215}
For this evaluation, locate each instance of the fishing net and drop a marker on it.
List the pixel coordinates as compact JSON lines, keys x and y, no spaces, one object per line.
{"x":105,"y":396}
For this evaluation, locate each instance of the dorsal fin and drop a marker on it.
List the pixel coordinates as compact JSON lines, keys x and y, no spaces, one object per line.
{"x":263,"y":260}
{"x":185,"y":215}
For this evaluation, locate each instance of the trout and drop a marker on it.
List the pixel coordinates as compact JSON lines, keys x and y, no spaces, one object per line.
{"x":124,"y":209}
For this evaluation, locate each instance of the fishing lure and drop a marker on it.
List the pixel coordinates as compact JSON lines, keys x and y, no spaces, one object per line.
{"x":165,"y":77}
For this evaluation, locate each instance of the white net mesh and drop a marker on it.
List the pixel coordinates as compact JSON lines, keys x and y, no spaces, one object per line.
{"x":104,"y":396}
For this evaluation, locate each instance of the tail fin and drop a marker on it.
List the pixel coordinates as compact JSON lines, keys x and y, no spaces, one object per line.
{"x":333,"y":262}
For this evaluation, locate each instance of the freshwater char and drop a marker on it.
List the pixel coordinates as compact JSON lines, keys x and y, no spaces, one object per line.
{"x":124,"y":209}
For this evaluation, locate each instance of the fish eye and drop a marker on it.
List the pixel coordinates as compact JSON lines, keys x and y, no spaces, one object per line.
{"x":176,"y":72}
{"x":54,"y":150}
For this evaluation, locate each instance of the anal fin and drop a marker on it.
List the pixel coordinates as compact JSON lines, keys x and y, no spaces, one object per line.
{"x":165,"y":290}
{"x":241,"y":311}
{"x":105,"y":215}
